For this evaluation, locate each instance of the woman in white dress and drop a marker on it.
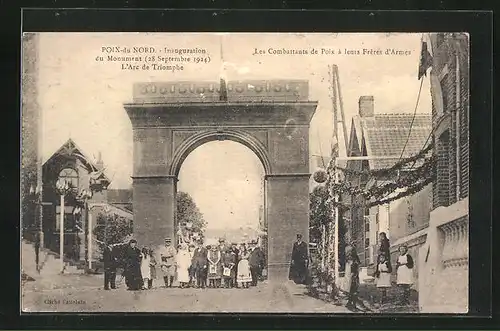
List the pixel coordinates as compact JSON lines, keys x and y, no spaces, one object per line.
{"x":244,"y":277}
{"x":405,"y":273}
{"x":183,"y":262}
{"x":383,"y":276}
{"x":145,"y":267}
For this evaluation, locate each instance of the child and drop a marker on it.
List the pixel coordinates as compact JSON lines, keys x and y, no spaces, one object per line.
{"x":352,"y":274}
{"x":405,"y":273}
{"x":152,"y":267}
{"x":244,"y":277}
{"x":145,"y":267}
{"x":383,"y":275}
{"x":229,"y":270}
{"x":214,"y":266}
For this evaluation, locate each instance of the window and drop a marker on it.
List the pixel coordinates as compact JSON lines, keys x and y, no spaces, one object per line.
{"x":70,"y":175}
{"x":444,"y":92}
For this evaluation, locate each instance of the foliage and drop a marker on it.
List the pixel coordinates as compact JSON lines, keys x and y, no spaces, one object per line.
{"x":400,"y":165}
{"x":322,"y":213}
{"x":188,"y":212}
{"x":404,"y":179}
{"x":111,"y":229}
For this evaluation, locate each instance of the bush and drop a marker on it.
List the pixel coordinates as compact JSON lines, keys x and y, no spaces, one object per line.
{"x":111,"y":229}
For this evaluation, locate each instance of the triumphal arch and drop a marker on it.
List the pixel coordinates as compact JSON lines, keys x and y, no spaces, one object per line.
{"x":270,"y":117}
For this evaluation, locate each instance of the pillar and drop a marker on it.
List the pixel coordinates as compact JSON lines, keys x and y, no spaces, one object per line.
{"x":287,"y":215}
{"x":154,"y":209}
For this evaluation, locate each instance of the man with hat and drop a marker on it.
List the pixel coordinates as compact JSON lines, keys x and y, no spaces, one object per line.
{"x":133,"y":277}
{"x":234,"y":248}
{"x":110,"y":263}
{"x":167,"y":262}
{"x":200,"y":264}
{"x":300,"y":261}
{"x":255,"y":261}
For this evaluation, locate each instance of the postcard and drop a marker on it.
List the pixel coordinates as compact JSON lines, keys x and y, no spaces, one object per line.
{"x":245,"y":172}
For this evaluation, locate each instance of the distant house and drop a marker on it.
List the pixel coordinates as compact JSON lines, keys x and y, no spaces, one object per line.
{"x":121,"y":198}
{"x":70,"y":163}
{"x":383,"y":137}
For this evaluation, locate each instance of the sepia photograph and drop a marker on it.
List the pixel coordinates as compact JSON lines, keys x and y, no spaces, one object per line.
{"x":178,"y":172}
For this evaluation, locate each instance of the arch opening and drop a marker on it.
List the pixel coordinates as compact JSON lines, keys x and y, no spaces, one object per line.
{"x":225,"y":179}
{"x":197,"y":140}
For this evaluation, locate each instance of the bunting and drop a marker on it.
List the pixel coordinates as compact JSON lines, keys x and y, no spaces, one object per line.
{"x":425,"y":61}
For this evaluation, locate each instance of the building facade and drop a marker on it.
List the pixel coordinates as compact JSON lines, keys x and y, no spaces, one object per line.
{"x":443,"y":265}
{"x":31,"y":178}
{"x":381,"y":138}
{"x":70,"y":164}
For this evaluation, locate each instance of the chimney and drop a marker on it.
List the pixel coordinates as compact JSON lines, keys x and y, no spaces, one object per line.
{"x":99,"y":163}
{"x":366,"y":106}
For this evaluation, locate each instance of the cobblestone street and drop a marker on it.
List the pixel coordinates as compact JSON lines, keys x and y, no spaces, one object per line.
{"x":89,"y":296}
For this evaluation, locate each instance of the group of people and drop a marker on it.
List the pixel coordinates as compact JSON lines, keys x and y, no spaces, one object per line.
{"x":383,"y":272}
{"x":191,"y":265}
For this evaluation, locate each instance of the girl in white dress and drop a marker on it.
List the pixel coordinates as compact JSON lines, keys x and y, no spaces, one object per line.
{"x":183,"y":262}
{"x":383,"y":276}
{"x":405,"y":273}
{"x":244,"y":277}
{"x":145,"y":267}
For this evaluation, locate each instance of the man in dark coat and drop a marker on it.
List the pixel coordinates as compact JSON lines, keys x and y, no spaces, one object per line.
{"x":234,"y":248}
{"x":300,"y":261}
{"x":255,"y":261}
{"x":133,"y":277}
{"x":110,"y":263}
{"x":200,"y":264}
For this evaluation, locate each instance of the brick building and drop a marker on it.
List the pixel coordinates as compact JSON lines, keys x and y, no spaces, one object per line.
{"x":443,"y":265}
{"x":383,"y":137}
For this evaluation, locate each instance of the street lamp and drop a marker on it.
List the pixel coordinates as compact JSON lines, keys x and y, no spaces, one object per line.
{"x":62,"y":187}
{"x":83,"y":196}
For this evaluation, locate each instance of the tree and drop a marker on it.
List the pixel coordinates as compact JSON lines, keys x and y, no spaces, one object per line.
{"x":189,"y":213}
{"x":322,"y":213}
{"x":111,"y":229}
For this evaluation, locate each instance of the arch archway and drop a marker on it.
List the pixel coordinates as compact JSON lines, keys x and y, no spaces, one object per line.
{"x":225,"y":179}
{"x":204,"y":137}
{"x":170,"y":120}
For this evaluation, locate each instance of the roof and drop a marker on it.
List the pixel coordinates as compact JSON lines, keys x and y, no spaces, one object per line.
{"x":114,"y":209}
{"x":119,"y":196}
{"x":71,"y":149}
{"x":386,"y":135}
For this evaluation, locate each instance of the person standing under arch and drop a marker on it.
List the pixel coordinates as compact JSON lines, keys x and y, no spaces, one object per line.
{"x":183,"y":262}
{"x":200,"y":264}
{"x":145,"y":267}
{"x":300,"y":262}
{"x":133,"y":277}
{"x":214,"y":266}
{"x":167,"y":262}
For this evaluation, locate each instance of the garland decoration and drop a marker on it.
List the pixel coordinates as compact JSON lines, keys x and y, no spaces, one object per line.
{"x":386,"y":172}
{"x":411,"y":180}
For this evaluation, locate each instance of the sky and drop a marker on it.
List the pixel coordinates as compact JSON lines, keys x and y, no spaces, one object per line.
{"x":82,"y":99}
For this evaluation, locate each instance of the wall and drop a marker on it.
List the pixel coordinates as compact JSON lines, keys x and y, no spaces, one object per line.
{"x":444,"y":259}
{"x":30,"y":165}
{"x":417,"y":206}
